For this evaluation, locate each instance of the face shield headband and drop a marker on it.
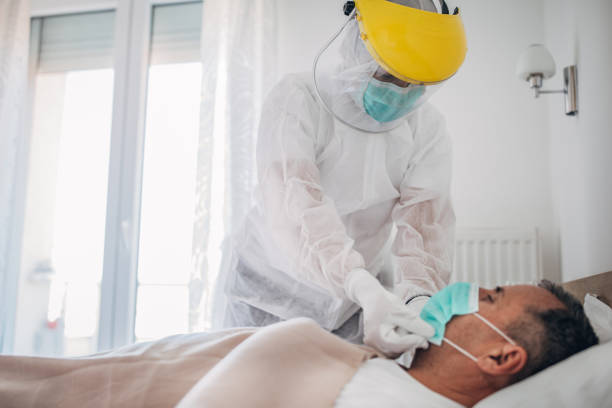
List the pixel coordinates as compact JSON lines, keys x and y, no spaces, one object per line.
{"x":459,"y":298}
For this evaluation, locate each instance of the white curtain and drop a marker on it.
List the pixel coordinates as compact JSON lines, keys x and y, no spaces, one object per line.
{"x":239,"y":67}
{"x":14,"y":44}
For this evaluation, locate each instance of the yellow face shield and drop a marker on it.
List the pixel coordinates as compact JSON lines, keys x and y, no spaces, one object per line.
{"x":413,"y":45}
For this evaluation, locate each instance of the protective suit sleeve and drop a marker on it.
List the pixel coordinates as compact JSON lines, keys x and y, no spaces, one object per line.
{"x":303,"y":222}
{"x":423,"y":247}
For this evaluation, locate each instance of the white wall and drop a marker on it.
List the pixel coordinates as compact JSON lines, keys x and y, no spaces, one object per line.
{"x":580,"y":32}
{"x":303,"y":28}
{"x":501,"y":133}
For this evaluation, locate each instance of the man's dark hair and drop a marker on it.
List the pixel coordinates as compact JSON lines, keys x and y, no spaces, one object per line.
{"x":552,"y":335}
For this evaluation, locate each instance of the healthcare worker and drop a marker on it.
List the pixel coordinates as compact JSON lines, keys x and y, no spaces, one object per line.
{"x":353,"y":223}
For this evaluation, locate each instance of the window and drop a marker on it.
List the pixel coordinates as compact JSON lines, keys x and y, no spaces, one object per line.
{"x":106,"y":255}
{"x":65,"y":214}
{"x":169,"y":174}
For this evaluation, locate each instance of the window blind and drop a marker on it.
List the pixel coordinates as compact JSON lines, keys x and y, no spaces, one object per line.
{"x":76,"y":42}
{"x":176,"y":33}
{"x":85,"y":41}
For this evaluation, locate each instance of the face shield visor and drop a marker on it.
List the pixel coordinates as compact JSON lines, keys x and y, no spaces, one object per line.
{"x":365,"y":89}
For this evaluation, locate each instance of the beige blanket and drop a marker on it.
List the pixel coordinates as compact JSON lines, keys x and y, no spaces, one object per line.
{"x":290,"y":364}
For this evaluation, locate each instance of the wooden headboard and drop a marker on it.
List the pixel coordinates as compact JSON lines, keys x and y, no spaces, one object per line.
{"x":599,"y":285}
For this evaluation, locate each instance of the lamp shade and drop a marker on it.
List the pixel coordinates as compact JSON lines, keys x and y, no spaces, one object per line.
{"x":536,"y":59}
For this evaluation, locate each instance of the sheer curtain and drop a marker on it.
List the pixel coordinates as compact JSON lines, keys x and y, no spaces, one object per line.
{"x":239,"y":51}
{"x":14,"y":44}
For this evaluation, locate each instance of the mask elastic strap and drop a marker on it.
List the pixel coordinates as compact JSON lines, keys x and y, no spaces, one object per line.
{"x":461,"y":350}
{"x":501,"y":333}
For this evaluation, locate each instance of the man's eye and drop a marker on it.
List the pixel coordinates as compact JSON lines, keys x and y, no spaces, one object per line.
{"x":498,"y":289}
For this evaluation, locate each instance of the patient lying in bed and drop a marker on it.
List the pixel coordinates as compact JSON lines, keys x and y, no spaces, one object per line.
{"x":298,"y":364}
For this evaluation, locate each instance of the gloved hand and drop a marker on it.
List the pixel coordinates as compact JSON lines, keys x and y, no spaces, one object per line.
{"x":389,"y":326}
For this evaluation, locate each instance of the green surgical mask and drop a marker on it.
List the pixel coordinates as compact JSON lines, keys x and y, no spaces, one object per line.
{"x":459,"y":298}
{"x":386,"y":102}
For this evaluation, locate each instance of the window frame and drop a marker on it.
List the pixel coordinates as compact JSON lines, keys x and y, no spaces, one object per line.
{"x":118,"y":289}
{"x":10,"y":275}
{"x":132,"y":38}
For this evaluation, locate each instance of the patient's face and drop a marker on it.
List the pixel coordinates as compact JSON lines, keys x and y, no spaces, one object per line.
{"x":505,"y":304}
{"x":501,"y":306}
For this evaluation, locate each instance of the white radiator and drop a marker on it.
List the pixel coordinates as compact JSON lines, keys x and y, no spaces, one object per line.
{"x":492,"y":257}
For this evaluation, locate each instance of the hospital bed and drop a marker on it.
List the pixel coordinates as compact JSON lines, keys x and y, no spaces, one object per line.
{"x":159,"y":374}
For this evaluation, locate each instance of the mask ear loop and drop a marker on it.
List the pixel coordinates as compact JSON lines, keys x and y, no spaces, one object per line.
{"x":501,"y":333}
{"x":488,"y":323}
{"x":461,"y":350}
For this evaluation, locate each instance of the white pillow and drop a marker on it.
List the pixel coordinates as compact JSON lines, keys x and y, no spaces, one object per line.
{"x":600,"y":316}
{"x":583,"y":380}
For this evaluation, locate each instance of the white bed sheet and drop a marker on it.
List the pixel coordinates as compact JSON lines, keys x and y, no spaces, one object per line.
{"x":382,"y":383}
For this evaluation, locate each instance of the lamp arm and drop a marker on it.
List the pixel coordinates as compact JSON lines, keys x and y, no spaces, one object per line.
{"x":539,"y":91}
{"x":548,"y":91}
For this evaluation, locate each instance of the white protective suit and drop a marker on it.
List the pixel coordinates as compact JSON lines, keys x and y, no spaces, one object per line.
{"x":331,"y":199}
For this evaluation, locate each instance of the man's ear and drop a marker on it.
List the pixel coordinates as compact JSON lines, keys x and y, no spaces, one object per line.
{"x":503,"y":360}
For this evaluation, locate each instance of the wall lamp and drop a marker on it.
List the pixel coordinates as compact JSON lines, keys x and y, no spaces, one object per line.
{"x":536,"y":64}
